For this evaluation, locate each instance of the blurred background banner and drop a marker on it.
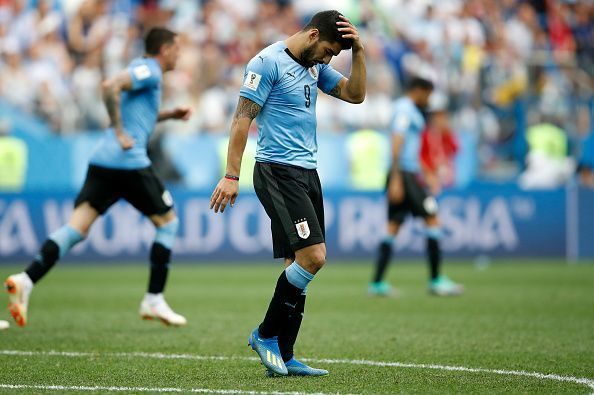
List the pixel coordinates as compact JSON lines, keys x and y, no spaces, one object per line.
{"x":516,"y":78}
{"x":483,"y":221}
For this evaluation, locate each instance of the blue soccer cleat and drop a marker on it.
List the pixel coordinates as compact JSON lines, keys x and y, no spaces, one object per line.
{"x":443,"y":286}
{"x":268,"y":352}
{"x":380,"y":288}
{"x":296,"y":368}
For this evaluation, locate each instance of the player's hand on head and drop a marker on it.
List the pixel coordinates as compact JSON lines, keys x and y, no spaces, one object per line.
{"x":225,"y":193}
{"x":126,"y":142}
{"x":348,"y":30}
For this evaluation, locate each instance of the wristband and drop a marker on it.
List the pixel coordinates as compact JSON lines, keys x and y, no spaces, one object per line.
{"x":231,"y":177}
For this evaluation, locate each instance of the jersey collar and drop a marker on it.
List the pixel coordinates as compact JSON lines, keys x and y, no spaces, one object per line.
{"x":294,"y":58}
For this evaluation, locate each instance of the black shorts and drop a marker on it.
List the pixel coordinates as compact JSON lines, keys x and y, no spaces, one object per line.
{"x":416,"y":200}
{"x":292,"y":198}
{"x":140,"y":187}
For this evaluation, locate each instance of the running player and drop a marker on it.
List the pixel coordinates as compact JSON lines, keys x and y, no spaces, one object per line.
{"x":120,"y":168}
{"x":280,"y":89}
{"x":405,"y":193}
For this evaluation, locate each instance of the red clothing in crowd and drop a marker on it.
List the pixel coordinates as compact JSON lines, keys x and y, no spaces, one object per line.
{"x":437,"y":154}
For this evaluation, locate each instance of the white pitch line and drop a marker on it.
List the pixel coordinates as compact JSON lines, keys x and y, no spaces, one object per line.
{"x":148,"y":389}
{"x":541,"y":376}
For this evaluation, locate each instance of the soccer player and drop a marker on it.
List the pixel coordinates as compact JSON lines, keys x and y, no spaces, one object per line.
{"x":120,"y":168}
{"x":405,"y":193}
{"x":280,"y":89}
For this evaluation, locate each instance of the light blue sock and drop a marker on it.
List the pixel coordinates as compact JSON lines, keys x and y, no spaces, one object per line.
{"x":298,"y":276}
{"x":434,"y":232}
{"x":66,"y":237}
{"x":166,"y":233}
{"x":388,"y":239}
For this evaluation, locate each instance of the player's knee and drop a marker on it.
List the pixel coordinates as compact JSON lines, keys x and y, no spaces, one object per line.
{"x":393,"y":228}
{"x":82,"y":226}
{"x":83,"y":229}
{"x":432,"y":221}
{"x":318,"y":258}
{"x":82,"y":218}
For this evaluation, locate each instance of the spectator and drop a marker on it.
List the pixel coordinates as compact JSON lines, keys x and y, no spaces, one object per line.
{"x":547,"y":163}
{"x":15,"y":86}
{"x":13,"y":160}
{"x":438,"y":147}
{"x":480,"y":54}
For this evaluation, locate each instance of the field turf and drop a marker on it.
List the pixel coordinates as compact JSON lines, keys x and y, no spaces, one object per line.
{"x":515,"y":316}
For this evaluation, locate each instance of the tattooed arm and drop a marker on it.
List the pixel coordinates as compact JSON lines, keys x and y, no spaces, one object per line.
{"x":228,"y":188}
{"x":111,"y":90}
{"x":352,"y":89}
{"x":245,"y":112}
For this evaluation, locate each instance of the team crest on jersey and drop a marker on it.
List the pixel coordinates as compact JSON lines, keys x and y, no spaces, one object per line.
{"x":167,"y":199}
{"x":303,"y":229}
{"x":313,"y":71}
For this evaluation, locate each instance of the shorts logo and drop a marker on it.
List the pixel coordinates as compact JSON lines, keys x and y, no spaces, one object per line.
{"x":167,"y":199}
{"x":313,"y":72}
{"x":303,"y":229}
{"x":430,"y":205}
{"x":252,"y":80}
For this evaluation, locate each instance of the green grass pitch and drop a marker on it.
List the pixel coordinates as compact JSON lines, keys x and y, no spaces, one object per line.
{"x":515,"y":315}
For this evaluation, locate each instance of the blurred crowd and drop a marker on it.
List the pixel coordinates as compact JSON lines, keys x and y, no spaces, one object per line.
{"x":503,"y":65}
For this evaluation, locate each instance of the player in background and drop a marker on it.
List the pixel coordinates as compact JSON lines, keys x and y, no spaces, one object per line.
{"x":406,"y":194}
{"x":280,"y":89}
{"x":438,"y":147}
{"x":120,"y":169}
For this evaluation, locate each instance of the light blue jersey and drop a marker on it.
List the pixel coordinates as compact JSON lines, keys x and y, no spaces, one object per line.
{"x":140,"y":110}
{"x":408,"y":122}
{"x":287,"y":92}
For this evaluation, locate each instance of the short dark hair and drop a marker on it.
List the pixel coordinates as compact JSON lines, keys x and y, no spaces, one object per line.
{"x":155,"y":38}
{"x":419,"y":83}
{"x":325,"y":22}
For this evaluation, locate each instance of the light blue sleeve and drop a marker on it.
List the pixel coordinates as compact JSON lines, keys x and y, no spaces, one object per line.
{"x":260,"y":75}
{"x":329,"y":78}
{"x":401,"y":121}
{"x":144,"y":76}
